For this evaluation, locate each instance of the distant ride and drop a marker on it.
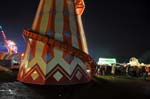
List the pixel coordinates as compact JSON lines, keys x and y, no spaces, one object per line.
{"x":10,"y":45}
{"x":10,"y":58}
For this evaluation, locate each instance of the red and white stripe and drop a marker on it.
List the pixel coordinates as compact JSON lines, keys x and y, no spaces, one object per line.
{"x":58,"y":17}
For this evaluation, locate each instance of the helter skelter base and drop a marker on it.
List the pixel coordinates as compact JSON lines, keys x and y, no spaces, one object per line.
{"x":56,"y":50}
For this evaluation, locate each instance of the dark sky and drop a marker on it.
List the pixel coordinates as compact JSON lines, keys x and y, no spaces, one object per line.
{"x":114,"y":28}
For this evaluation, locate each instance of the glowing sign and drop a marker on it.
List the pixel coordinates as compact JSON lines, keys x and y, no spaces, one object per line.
{"x":107,"y":61}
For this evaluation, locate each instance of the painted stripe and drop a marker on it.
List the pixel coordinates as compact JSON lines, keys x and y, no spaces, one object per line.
{"x":45,"y":16}
{"x":59,"y":20}
{"x":25,"y":61}
{"x":73,"y":25}
{"x":38,"y":57}
{"x":50,"y":19}
{"x":36,"y":22}
{"x":66,"y":32}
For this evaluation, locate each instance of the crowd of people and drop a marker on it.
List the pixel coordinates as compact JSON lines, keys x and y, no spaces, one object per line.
{"x":124,"y":70}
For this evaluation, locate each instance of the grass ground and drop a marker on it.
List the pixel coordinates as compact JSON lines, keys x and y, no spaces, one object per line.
{"x":121,"y":78}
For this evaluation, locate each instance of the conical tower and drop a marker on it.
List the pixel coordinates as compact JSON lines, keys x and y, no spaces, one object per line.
{"x":56,"y":50}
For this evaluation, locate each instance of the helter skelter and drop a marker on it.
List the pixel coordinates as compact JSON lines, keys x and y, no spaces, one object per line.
{"x":56,"y":50}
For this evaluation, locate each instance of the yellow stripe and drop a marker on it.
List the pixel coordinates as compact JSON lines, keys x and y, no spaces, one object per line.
{"x":59,"y":22}
{"x":38,"y":57}
{"x":45,"y":16}
{"x":73,"y":25}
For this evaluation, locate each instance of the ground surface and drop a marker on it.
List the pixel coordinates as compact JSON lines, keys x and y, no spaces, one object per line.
{"x":102,"y":88}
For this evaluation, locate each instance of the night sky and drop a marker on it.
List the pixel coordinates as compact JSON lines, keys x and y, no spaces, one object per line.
{"x":114,"y":28}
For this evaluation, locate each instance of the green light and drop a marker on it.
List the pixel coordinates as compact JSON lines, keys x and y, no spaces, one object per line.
{"x":108,"y":61}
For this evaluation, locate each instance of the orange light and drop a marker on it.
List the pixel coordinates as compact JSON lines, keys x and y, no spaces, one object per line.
{"x":22,"y":54}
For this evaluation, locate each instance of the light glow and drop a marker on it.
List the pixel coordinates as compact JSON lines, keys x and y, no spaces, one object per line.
{"x":106,"y":61}
{"x":12,"y":46}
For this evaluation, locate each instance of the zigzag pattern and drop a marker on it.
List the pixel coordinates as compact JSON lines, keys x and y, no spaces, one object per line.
{"x":63,"y":72}
{"x":36,"y":67}
{"x":70,"y":78}
{"x":68,"y":70}
{"x":46,"y":68}
{"x":59,"y":60}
